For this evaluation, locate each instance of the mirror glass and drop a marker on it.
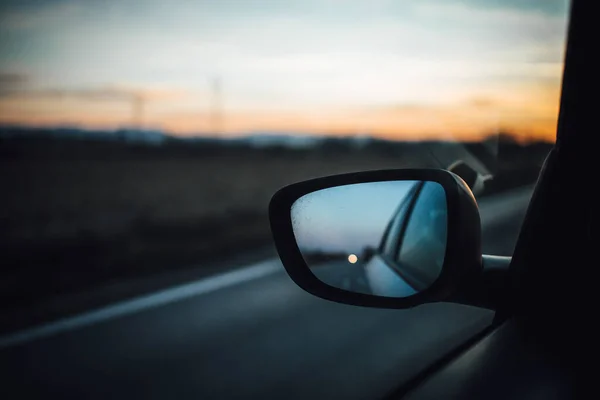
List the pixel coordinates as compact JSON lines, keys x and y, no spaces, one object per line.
{"x":379,"y":238}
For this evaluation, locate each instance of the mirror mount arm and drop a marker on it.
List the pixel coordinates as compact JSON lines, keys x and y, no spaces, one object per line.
{"x":488,"y":288}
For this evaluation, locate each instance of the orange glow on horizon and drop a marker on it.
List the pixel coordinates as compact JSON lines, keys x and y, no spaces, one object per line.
{"x":530,"y":114}
{"x":542,"y":131}
{"x":437,"y":127}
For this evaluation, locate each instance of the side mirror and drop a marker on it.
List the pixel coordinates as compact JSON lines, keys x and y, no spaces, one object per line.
{"x":389,"y":239}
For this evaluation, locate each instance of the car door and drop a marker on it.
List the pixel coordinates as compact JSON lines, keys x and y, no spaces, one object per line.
{"x":425,"y":225}
{"x":393,"y":233}
{"x":381,"y":270}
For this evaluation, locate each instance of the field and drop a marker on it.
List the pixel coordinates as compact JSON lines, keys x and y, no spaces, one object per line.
{"x":78,"y":213}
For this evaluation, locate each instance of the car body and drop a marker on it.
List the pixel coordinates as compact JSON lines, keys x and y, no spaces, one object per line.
{"x":391,"y":267}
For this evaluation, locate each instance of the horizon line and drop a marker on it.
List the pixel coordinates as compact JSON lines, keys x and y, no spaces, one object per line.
{"x":506,"y":134}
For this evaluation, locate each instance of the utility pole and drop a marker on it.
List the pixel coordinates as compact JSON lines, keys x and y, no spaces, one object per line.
{"x":216,"y":107}
{"x":138,"y":104}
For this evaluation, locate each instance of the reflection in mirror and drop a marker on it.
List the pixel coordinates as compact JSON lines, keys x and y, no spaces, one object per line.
{"x":378,"y":238}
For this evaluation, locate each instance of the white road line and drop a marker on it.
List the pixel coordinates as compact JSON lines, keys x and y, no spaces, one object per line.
{"x":163,"y":297}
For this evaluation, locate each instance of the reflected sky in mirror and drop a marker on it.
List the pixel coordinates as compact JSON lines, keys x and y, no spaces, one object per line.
{"x":347,"y":218}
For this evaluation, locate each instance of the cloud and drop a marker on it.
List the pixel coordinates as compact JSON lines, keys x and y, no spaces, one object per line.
{"x":12,"y":82}
{"x":482,"y":14}
{"x":483,"y":103}
{"x":12,"y":78}
{"x":502,"y":28}
{"x":152,"y":94}
{"x":105,"y":93}
{"x":38,"y":15}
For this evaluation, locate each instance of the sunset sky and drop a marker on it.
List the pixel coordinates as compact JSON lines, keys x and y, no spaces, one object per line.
{"x":394,"y":68}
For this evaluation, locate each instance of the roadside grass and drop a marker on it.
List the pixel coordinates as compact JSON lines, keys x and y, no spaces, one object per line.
{"x":75,"y":214}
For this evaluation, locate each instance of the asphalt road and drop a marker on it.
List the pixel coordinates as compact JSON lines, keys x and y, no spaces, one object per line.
{"x":247,"y":333}
{"x":343,"y":275}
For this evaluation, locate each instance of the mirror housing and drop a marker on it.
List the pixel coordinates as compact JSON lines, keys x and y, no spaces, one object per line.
{"x":463,"y":258}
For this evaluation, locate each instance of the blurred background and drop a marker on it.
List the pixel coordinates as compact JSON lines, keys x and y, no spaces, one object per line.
{"x":144,"y":139}
{"x":140,"y":144}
